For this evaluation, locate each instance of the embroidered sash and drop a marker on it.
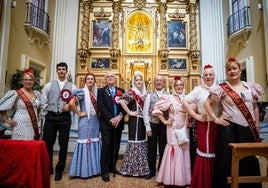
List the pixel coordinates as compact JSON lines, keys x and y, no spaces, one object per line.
{"x":137,"y":98}
{"x":94,"y":102}
{"x":243,"y":108}
{"x":31,"y":112}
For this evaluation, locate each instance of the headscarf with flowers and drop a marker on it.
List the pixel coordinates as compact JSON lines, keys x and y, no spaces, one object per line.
{"x":207,"y":67}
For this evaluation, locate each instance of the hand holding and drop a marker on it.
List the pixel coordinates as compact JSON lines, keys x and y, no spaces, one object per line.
{"x":11,"y":122}
{"x":82,"y":114}
{"x":66,"y":108}
{"x":169,"y":121}
{"x":221,"y":121}
{"x":201,"y":118}
{"x":134,"y":113}
{"x":149,"y":133}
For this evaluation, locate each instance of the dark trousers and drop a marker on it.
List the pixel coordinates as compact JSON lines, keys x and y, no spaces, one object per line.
{"x":51,"y":127}
{"x":158,"y":136}
{"x":111,"y":139}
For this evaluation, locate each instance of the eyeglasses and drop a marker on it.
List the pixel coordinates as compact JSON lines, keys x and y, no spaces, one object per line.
{"x":28,"y":80}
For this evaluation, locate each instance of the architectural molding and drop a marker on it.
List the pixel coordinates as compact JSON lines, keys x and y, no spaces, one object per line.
{"x":239,"y":37}
{"x":36,"y":35}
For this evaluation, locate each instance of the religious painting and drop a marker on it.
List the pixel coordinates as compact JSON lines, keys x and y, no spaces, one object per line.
{"x":139,"y":33}
{"x":100,"y":63}
{"x":176,"y":34}
{"x":101,"y":33}
{"x":177,"y":64}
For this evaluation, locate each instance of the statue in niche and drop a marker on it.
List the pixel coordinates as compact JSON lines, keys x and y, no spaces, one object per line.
{"x":139,"y":33}
{"x":139,"y":37}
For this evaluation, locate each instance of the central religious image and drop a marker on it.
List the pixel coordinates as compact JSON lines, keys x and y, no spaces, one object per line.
{"x":139,"y":33}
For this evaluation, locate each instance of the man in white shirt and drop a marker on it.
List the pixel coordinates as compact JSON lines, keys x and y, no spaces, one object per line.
{"x":54,"y":100}
{"x":155,"y":129}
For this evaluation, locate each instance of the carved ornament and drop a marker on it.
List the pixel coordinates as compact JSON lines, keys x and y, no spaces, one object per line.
{"x":102,"y":13}
{"x":177,"y":15}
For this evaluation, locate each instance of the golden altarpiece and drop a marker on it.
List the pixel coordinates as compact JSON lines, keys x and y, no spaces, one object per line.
{"x":153,"y":36}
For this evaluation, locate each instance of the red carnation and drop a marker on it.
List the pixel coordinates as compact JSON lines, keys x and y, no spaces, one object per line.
{"x":117,"y":96}
{"x":231,"y":59}
{"x":177,"y":78}
{"x":29,"y":71}
{"x":208,"y":66}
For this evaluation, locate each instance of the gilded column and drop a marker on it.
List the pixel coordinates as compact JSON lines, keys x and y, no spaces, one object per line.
{"x":83,"y":51}
{"x":194,"y":51}
{"x":115,"y":52}
{"x":163,"y":35}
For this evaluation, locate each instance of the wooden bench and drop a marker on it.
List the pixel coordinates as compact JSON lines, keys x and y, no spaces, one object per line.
{"x":241,"y":150}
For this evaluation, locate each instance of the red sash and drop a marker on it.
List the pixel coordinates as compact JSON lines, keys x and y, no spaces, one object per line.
{"x":31,"y":112}
{"x":243,"y":108}
{"x":137,"y":98}
{"x":94,"y":102}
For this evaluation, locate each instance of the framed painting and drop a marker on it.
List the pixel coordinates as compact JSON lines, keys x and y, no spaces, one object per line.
{"x":177,"y":34}
{"x":100,"y":63}
{"x":101,"y":33}
{"x":177,"y":64}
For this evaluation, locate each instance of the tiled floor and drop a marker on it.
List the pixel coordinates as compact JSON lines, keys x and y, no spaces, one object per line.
{"x":116,"y":182}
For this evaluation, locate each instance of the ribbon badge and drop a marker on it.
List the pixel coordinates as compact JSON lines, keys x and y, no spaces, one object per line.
{"x":117,"y":96}
{"x":65,"y":95}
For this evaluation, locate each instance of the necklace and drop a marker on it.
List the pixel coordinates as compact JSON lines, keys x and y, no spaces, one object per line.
{"x":30,"y":94}
{"x":238,"y":87}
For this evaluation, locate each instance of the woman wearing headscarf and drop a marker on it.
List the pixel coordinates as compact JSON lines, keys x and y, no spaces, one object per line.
{"x":135,"y":161}
{"x":206,"y":131}
{"x":85,"y":162}
{"x":27,"y":106}
{"x":237,"y":124}
{"x":175,"y":167}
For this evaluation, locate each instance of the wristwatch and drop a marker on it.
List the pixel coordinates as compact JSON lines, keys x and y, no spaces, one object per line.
{"x":213,"y":118}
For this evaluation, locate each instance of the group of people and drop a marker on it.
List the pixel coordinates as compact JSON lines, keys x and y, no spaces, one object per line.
{"x":157,"y":121}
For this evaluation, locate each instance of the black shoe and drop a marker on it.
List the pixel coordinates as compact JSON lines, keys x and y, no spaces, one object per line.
{"x":114,"y":171}
{"x":105,"y":177}
{"x":58,"y":177}
{"x":149,"y":176}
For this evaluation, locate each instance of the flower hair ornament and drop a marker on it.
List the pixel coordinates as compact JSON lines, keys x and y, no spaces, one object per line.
{"x":65,"y":95}
{"x":29,"y":71}
{"x":177,"y":78}
{"x":231,"y":59}
{"x":208,"y":66}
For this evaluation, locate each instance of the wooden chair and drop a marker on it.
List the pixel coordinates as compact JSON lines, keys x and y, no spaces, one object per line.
{"x":241,"y":150}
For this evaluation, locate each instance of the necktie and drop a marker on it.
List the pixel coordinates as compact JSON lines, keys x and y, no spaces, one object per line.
{"x":112,"y":90}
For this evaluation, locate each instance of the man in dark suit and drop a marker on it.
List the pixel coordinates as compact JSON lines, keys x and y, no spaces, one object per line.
{"x":111,"y":125}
